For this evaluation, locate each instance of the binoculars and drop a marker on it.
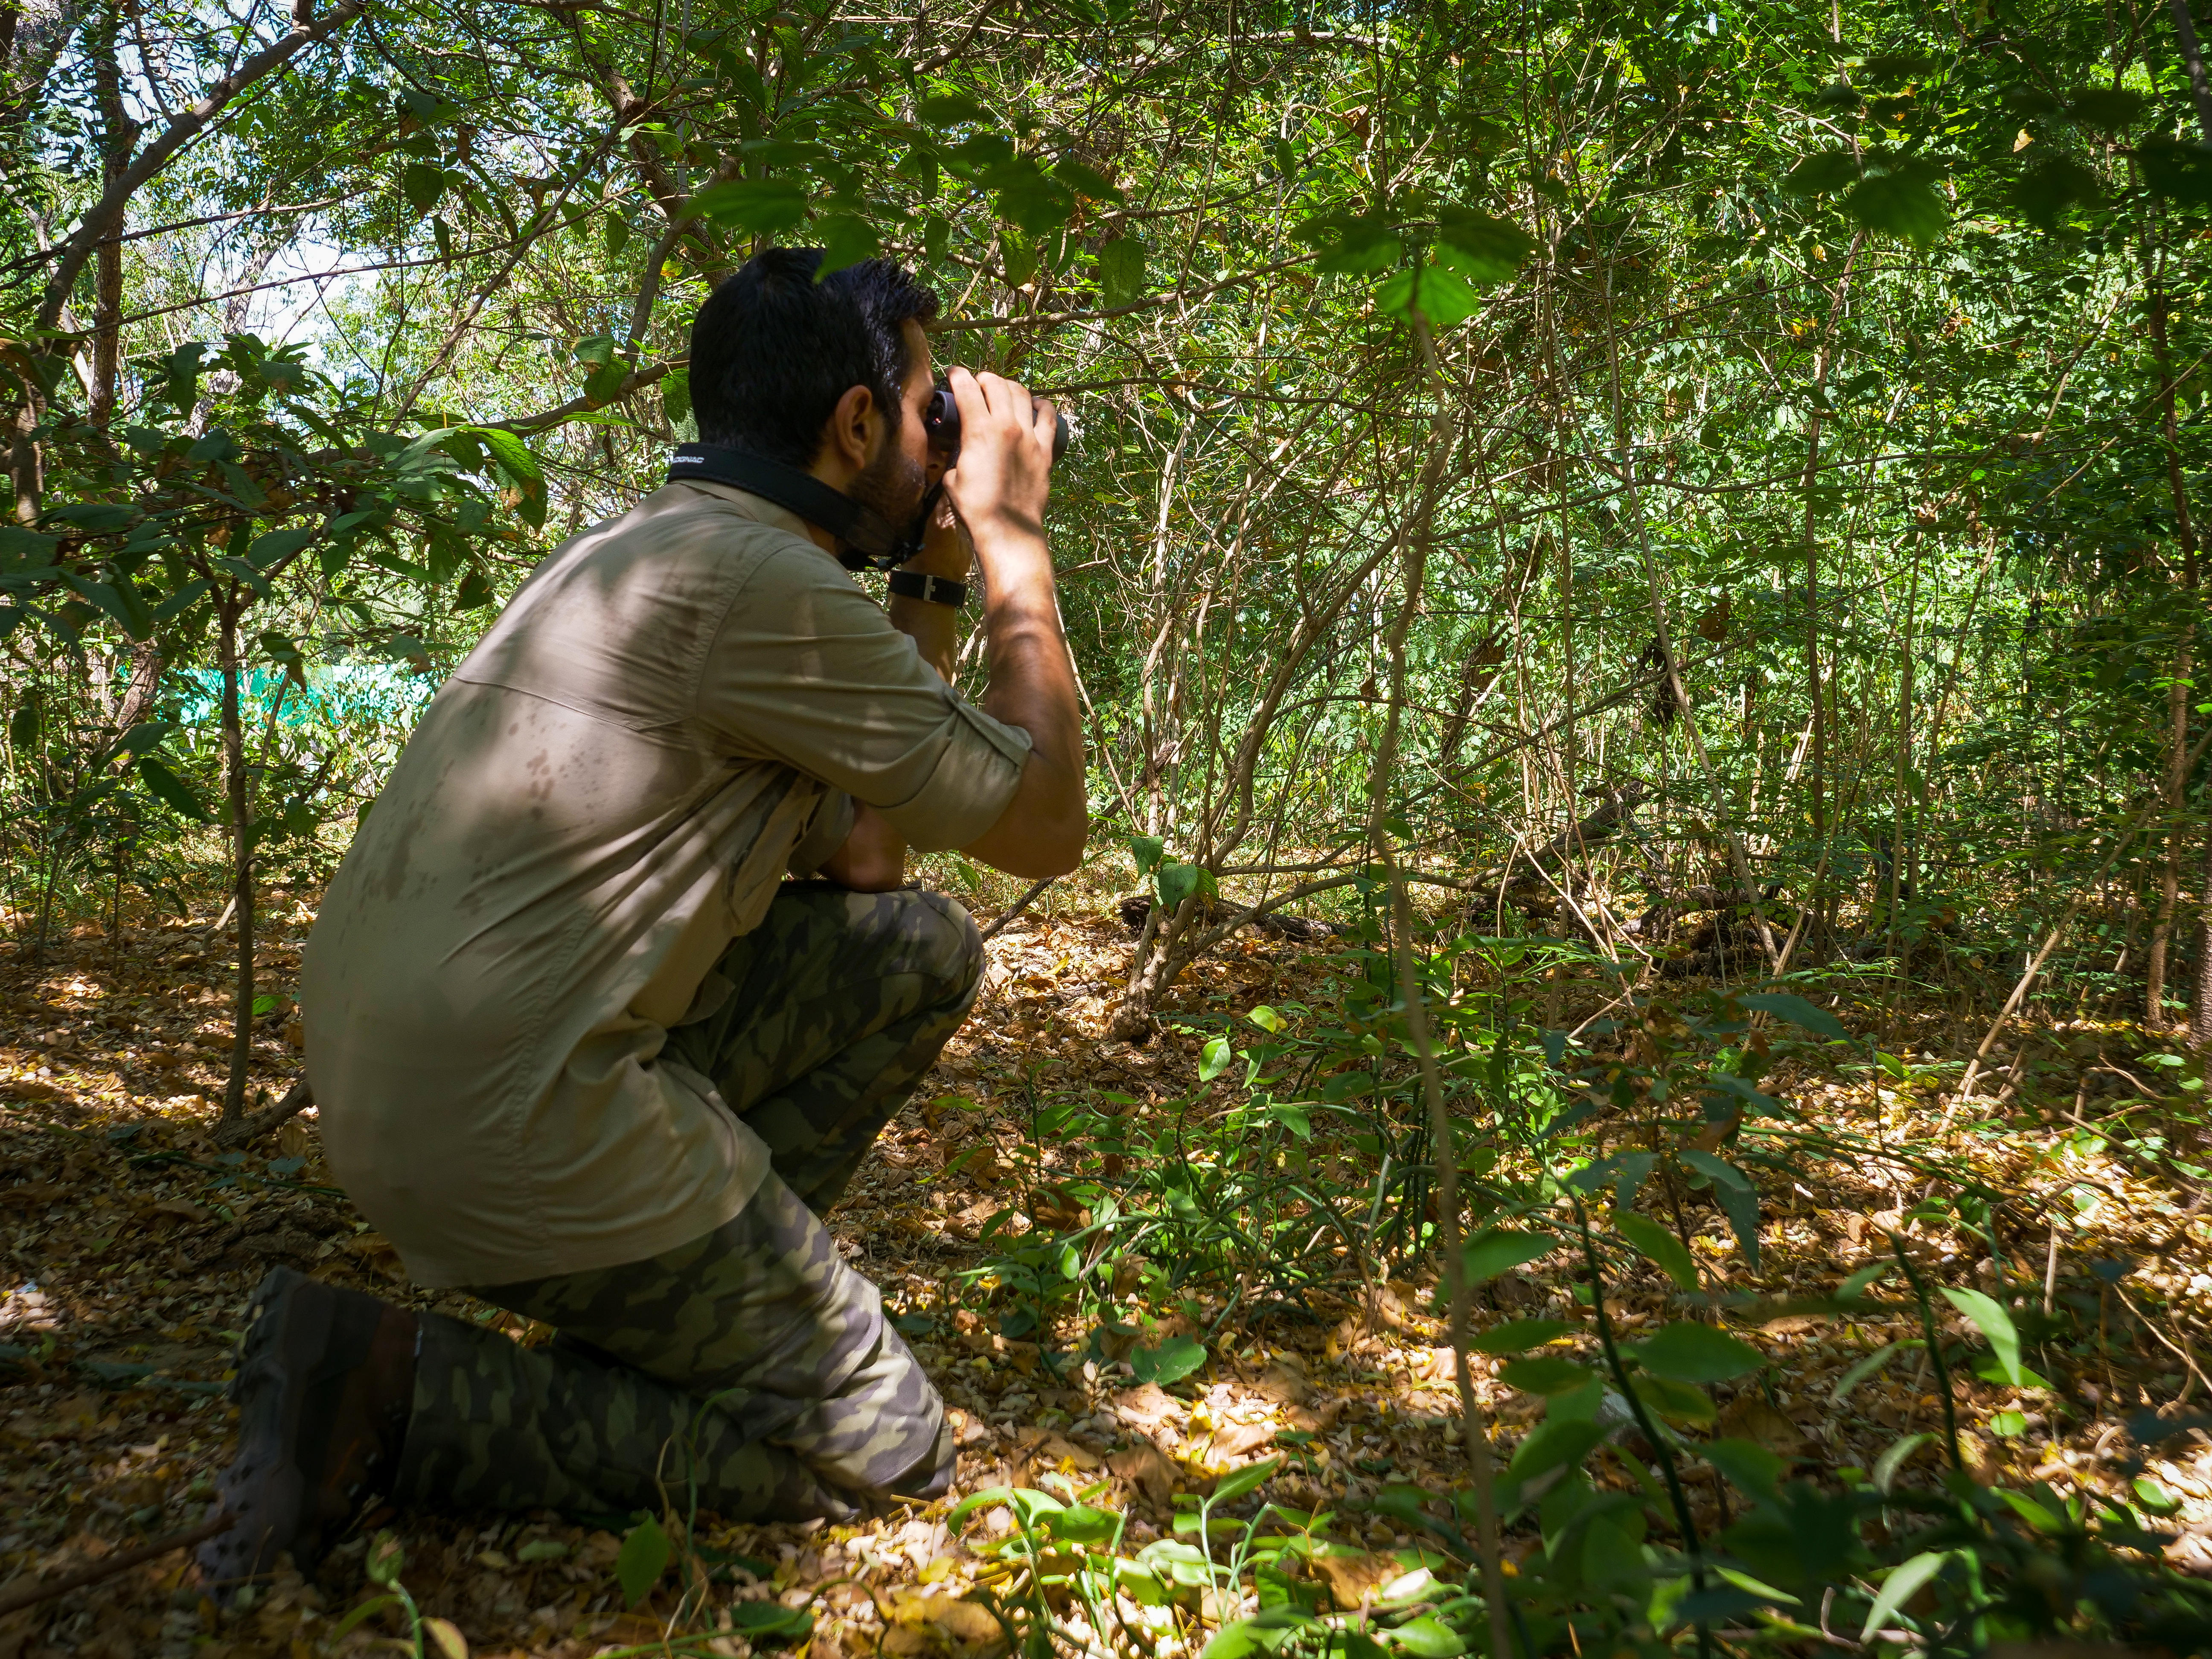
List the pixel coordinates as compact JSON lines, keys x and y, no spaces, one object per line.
{"x":942,"y":423}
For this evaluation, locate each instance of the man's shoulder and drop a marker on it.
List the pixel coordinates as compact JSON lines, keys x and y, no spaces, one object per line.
{"x":731,"y":538}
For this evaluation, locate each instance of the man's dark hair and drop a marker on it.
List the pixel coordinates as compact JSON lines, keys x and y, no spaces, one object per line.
{"x":772,"y":351}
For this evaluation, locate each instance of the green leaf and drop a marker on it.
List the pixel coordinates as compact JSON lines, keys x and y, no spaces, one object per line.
{"x":2154,"y":1498}
{"x":1213,"y":1059}
{"x":98,"y":517}
{"x":1855,"y":1286}
{"x":1033,"y":200}
{"x":1902,"y":1584}
{"x":1176,"y":882}
{"x":616,"y":233}
{"x":119,"y":599}
{"x":1783,"y":1005}
{"x":1250,"y":1478}
{"x":643,"y":1557}
{"x":356,"y":1616}
{"x":1752,"y":1468}
{"x":1677,"y":1402}
{"x":1661,"y":1246}
{"x":1082,"y":1524}
{"x":752,"y":1619}
{"x":676,"y":395}
{"x":1356,"y":246}
{"x":1147,"y":851}
{"x":1690,"y":1352}
{"x":1441,"y":297}
{"x":1735,"y":1195}
{"x":1263,"y":1632}
{"x":1990,"y":1318}
{"x":1266,"y":1018}
{"x":422,"y":182}
{"x":144,"y":736}
{"x":1428,"y":1638}
{"x":1901,"y":203}
{"x":474,"y":592}
{"x":2108,"y":109}
{"x":1516,"y":1336}
{"x":603,"y":385}
{"x":1722,"y":1173}
{"x":2050,"y":185}
{"x":1865,"y":1368}
{"x":25,"y":546}
{"x":1121,"y":271}
{"x":1883,"y":1474}
{"x":950,"y":109}
{"x":845,"y":239}
{"x":278,"y":544}
{"x":758,"y":205}
{"x":1480,"y":246}
{"x":1545,"y":1374}
{"x":1822,"y":174}
{"x":1086,"y":180}
{"x":2177,"y":172}
{"x":171,"y":790}
{"x":518,"y":467}
{"x":1491,"y":1252}
{"x":1173,"y":1360}
{"x":1550,"y":1444}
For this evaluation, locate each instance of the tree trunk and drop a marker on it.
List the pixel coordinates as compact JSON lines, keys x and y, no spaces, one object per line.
{"x":118,"y":137}
{"x":2169,"y":882}
{"x":2169,"y":874}
{"x":241,"y":852}
{"x":2200,"y":1020}
{"x":2200,"y":86}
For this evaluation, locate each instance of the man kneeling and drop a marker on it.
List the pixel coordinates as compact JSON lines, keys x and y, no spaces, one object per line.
{"x":581,"y":1048}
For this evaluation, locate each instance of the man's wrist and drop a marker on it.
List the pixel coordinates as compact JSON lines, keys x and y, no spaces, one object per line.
{"x":952,"y":564}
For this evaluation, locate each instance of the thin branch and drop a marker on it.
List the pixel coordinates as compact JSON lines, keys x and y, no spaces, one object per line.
{"x":104,"y":217}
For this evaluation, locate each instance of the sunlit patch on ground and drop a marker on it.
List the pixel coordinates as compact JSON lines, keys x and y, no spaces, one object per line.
{"x":133,"y":1245}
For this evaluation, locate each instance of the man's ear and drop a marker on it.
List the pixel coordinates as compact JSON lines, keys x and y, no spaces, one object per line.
{"x":850,"y":435}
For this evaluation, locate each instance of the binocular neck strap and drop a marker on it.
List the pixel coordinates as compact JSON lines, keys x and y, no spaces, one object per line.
{"x":866,"y":536}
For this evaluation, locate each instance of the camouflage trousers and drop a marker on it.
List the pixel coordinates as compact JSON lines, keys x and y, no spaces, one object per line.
{"x":751,"y":1371}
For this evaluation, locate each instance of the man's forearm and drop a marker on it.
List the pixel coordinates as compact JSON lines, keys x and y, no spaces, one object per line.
{"x":1032,"y":685}
{"x":1032,"y":680}
{"x":934,"y":629}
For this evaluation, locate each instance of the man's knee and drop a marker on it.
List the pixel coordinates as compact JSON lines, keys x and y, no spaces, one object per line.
{"x":950,"y":947}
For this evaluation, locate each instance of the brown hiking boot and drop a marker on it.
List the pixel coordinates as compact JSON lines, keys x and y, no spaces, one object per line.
{"x":326,"y":1377}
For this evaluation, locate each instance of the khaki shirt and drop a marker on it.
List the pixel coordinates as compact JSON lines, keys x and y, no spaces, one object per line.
{"x":679,"y":705}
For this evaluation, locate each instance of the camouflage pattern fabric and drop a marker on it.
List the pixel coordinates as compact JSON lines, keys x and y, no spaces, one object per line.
{"x":750,"y":1369}
{"x":839,"y":1002}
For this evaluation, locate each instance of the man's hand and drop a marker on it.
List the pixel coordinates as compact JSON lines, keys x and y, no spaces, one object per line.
{"x":1005,"y":471}
{"x":873,"y":859}
{"x":999,"y":486}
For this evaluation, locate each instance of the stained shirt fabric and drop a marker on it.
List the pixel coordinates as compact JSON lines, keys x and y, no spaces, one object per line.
{"x":680,"y":706}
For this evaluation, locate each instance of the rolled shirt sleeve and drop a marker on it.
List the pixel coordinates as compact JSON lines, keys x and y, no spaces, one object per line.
{"x":807,"y":669}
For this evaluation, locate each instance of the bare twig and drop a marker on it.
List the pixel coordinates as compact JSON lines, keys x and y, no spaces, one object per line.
{"x":122,"y":1561}
{"x":1019,"y":905}
{"x":254,"y":1125}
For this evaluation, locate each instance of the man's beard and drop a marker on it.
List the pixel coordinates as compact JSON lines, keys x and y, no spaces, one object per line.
{"x":891,"y":484}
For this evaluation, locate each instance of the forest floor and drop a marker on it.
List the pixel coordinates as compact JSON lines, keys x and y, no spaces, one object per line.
{"x":133,"y":1246}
